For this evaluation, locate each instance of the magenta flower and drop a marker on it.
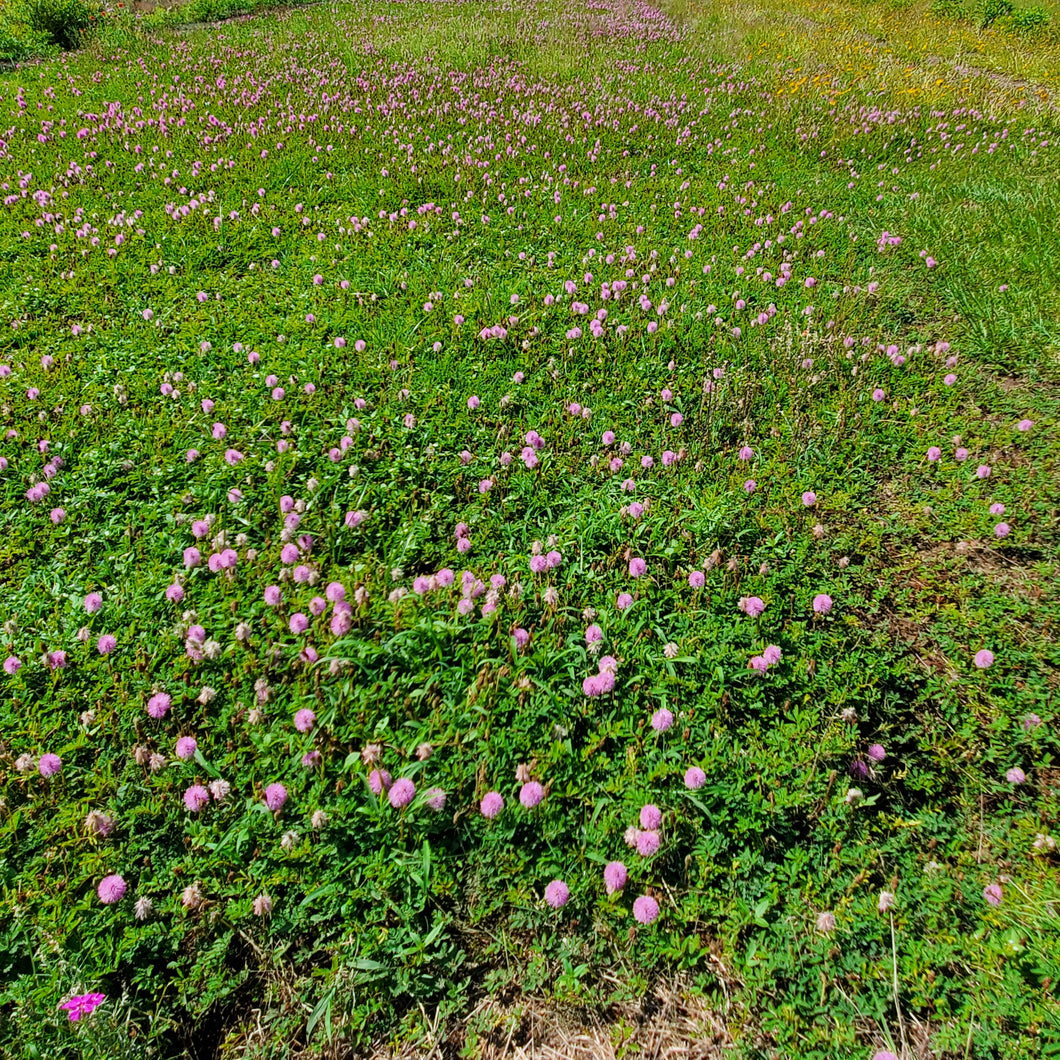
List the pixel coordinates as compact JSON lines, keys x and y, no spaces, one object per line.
{"x":12,"y":664}
{"x":771,"y":655}
{"x":196,"y":797}
{"x":379,"y":781}
{"x":557,"y":894}
{"x":49,"y":764}
{"x":809,"y":499}
{"x":93,"y":602}
{"x":401,"y":793}
{"x":1002,"y":530}
{"x":531,"y":794}
{"x":647,"y":843}
{"x":158,"y":704}
{"x":751,"y":605}
{"x":695,"y":778}
{"x":186,"y":748}
{"x":984,"y":659}
{"x":650,"y":816}
{"x":637,"y":567}
{"x":1016,"y":775}
{"x":876,"y":752}
{"x":696,"y":579}
{"x":436,"y":799}
{"x":750,"y":486}
{"x":111,"y":889}
{"x":492,"y":804}
{"x":992,"y":893}
{"x":982,"y":471}
{"x":275,"y":796}
{"x":822,"y":604}
{"x":192,"y":557}
{"x":615,"y":876}
{"x":84,"y":1004}
{"x":106,"y":644}
{"x":304,"y":720}
{"x":662,"y":719}
{"x":624,"y":600}
{"x":646,"y":909}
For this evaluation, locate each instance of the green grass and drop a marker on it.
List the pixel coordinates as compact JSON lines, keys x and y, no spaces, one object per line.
{"x":384,"y":920}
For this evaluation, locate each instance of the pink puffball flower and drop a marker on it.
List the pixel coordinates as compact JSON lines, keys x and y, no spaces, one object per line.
{"x":615,"y":876}
{"x":299,"y":623}
{"x":436,"y":799}
{"x":111,"y":889}
{"x":492,"y":804}
{"x":624,"y":601}
{"x":884,"y":1054}
{"x":650,"y":816}
{"x":379,"y":781}
{"x":273,"y":595}
{"x":676,"y":419}
{"x":196,"y":797}
{"x":557,"y":894}
{"x":158,"y":704}
{"x":695,"y":778}
{"x":992,"y":894}
{"x":57,"y":515}
{"x":747,"y":453}
{"x":1016,"y":775}
{"x":275,"y":796}
{"x":192,"y":557}
{"x":696,"y":579}
{"x":647,"y":843}
{"x":401,"y":793}
{"x":984,"y":659}
{"x":750,"y":486}
{"x":637,"y":567}
{"x":982,"y":471}
{"x":304,"y":720}
{"x":662,"y":720}
{"x":1024,"y":425}
{"x":876,"y":752}
{"x":531,"y":794}
{"x":752,"y":606}
{"x":646,"y":909}
{"x":1002,"y":530}
{"x":822,"y":604}
{"x":809,"y":499}
{"x":174,"y":593}
{"x":49,"y":765}
{"x":186,"y":747}
{"x":93,"y":602}
{"x":771,"y":654}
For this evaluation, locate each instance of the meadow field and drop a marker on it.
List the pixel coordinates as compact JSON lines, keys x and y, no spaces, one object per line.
{"x":531,"y":530}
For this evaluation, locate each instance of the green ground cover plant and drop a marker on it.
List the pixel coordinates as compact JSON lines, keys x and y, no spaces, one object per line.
{"x":523,"y":501}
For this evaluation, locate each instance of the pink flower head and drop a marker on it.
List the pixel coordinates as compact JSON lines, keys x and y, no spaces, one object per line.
{"x":809,"y":499}
{"x":492,"y":804}
{"x":49,"y":764}
{"x":647,"y":843}
{"x":158,"y":704}
{"x":557,"y":894}
{"x":650,"y":816}
{"x":624,"y":600}
{"x":1002,"y":530}
{"x":401,"y":793}
{"x":752,"y":606}
{"x":771,"y":655}
{"x":275,"y":796}
{"x":531,"y":794}
{"x":615,"y":876}
{"x":637,"y":567}
{"x":982,"y":471}
{"x":379,"y":781}
{"x":196,"y":797}
{"x":86,"y":1004}
{"x":304,"y":720}
{"x":662,"y":720}
{"x":984,"y":659}
{"x":93,"y":602}
{"x":1016,"y":775}
{"x":992,"y":894}
{"x":750,"y":486}
{"x":747,"y":453}
{"x":175,"y":593}
{"x":697,"y":579}
{"x":1024,"y":425}
{"x":646,"y":909}
{"x":522,"y":638}
{"x":822,"y":604}
{"x":594,"y":634}
{"x":436,"y":799}
{"x":273,"y":595}
{"x":192,"y":557}
{"x":186,"y":747}
{"x":876,"y":752}
{"x":299,"y":623}
{"x":695,"y":778}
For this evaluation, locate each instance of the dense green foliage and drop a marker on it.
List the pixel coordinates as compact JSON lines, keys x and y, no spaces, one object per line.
{"x":368,"y":242}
